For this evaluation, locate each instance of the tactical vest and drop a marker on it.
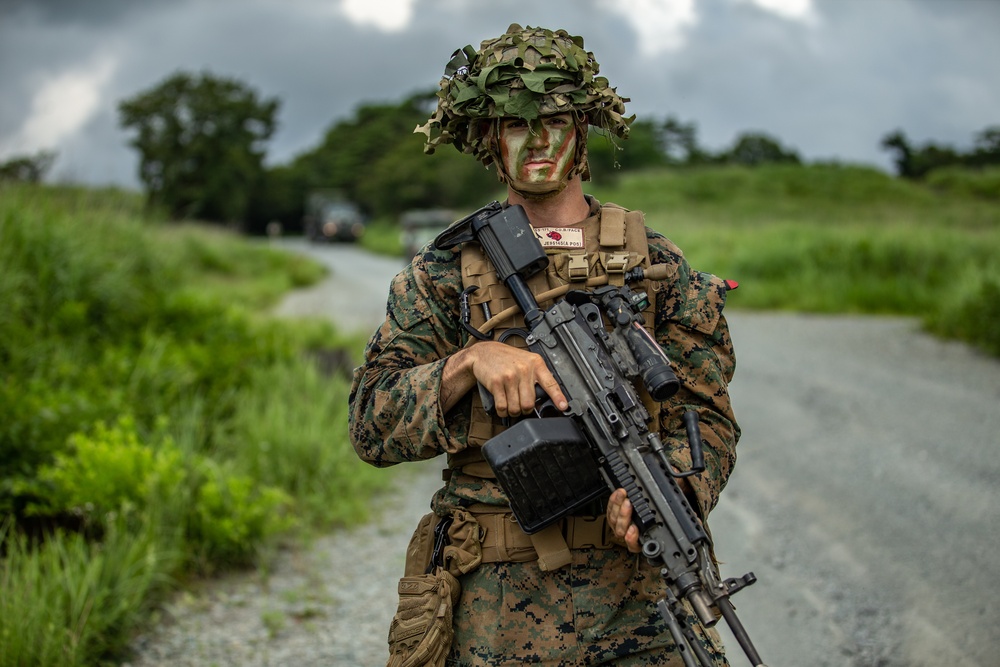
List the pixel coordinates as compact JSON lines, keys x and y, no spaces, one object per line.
{"x":619,"y":245}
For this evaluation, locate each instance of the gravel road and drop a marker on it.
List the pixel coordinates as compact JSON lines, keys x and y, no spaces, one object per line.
{"x":864,"y":500}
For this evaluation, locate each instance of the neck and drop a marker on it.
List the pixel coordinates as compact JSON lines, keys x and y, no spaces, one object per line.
{"x":560,"y":210}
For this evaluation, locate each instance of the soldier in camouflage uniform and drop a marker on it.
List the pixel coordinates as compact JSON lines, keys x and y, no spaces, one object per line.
{"x":524,"y":102}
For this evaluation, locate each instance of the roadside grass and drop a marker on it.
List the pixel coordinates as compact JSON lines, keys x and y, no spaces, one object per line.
{"x":382,"y":236}
{"x":155,"y":422}
{"x":70,"y":600}
{"x":834,"y":239}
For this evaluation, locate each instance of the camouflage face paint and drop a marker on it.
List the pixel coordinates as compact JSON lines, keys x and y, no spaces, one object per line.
{"x":538,"y":152}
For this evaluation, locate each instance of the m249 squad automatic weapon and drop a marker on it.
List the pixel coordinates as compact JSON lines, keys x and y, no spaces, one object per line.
{"x":552,"y":466}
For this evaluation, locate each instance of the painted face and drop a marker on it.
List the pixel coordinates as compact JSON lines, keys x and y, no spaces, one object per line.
{"x":540,"y":151}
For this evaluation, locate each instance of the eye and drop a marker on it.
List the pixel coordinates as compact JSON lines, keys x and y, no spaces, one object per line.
{"x":557,"y":121}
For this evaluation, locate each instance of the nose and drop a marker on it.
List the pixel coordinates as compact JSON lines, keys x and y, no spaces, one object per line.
{"x":539,"y":137}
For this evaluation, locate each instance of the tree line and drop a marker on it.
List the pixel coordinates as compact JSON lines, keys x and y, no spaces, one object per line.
{"x":202,"y":141}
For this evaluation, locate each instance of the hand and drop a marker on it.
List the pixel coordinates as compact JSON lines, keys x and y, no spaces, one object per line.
{"x":620,"y":520}
{"x":508,"y":373}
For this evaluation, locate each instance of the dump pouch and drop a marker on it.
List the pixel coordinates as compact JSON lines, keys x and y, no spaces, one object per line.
{"x":546,"y":468}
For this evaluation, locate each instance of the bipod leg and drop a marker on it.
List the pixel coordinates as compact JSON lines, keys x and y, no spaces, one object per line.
{"x":684,"y":637}
{"x":739,"y":632}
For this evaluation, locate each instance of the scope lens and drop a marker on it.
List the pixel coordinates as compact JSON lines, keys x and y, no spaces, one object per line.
{"x":660,"y":381}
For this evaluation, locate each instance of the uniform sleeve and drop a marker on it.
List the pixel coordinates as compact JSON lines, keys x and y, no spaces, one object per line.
{"x":394,"y":406}
{"x":692,"y":329}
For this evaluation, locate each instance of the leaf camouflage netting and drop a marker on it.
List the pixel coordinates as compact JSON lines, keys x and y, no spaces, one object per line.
{"x":525,"y":73}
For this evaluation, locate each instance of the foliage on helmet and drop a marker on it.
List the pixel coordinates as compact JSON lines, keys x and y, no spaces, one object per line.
{"x":524,"y":73}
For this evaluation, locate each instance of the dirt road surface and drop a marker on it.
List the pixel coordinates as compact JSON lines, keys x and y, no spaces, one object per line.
{"x":866,"y":493}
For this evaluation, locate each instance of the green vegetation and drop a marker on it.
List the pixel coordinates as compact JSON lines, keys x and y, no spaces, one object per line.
{"x":154,"y":423}
{"x":201,"y":142}
{"x":829,"y":238}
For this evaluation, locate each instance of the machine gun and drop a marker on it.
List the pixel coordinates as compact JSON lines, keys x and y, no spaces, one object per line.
{"x":552,"y":466}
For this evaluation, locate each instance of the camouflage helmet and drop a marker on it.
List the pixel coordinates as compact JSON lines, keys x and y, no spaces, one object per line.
{"x":524,"y":73}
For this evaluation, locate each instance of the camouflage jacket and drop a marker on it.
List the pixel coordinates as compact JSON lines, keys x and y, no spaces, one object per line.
{"x":395,"y":415}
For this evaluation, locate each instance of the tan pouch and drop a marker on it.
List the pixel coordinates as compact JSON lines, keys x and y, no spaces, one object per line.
{"x":421,"y":631}
{"x":421,"y":546}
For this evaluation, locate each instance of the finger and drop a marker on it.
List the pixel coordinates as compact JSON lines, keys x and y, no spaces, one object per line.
{"x":624,"y":518}
{"x":500,"y":402}
{"x":526,"y":392}
{"x":551,"y":387}
{"x":618,"y":517}
{"x":614,"y":505}
{"x":632,"y":539}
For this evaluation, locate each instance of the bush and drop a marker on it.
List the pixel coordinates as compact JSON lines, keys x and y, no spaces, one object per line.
{"x":132,"y":358}
{"x":108,"y":472}
{"x":293,"y":438}
{"x":962,"y":181}
{"x":973,"y":314}
{"x":232,"y":516}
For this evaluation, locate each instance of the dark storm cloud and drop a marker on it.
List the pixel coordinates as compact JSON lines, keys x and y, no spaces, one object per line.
{"x":830,"y":88}
{"x":70,"y":12}
{"x":835,"y":88}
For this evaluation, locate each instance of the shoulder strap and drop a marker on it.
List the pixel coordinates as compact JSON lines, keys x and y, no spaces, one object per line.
{"x":612,"y":227}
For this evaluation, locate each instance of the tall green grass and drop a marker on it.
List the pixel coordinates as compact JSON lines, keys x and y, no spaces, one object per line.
{"x":69,"y":600}
{"x":154,"y":423}
{"x":829,"y":238}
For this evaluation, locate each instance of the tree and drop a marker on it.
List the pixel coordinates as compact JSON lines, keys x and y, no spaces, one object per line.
{"x":376,"y":160}
{"x":897,"y":143}
{"x":755,"y":148}
{"x":201,"y":143}
{"x":987,"y":147}
{"x":680,"y":142}
{"x":27,"y":168}
{"x":608,"y":156}
{"x":918,"y":162}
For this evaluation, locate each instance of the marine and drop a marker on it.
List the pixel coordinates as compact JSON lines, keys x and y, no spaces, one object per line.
{"x":477,"y":590}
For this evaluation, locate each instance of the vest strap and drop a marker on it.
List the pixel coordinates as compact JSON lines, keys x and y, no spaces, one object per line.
{"x":550,"y":545}
{"x":502,"y":539}
{"x":616,"y":263}
{"x":578,"y":267}
{"x":612,"y":226}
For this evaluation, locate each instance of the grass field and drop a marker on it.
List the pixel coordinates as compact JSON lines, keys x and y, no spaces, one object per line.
{"x":837,"y":239}
{"x":156,"y":424}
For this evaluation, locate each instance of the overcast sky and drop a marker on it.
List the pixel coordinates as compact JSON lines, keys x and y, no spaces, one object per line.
{"x":827,"y":77}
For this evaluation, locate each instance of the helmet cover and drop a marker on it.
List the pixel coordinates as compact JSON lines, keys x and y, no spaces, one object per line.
{"x":525,"y":73}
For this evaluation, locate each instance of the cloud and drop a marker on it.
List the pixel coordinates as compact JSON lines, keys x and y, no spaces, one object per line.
{"x":386,"y":15}
{"x":62,"y":105}
{"x":660,"y":24}
{"x":793,"y":10}
{"x":827,"y":77}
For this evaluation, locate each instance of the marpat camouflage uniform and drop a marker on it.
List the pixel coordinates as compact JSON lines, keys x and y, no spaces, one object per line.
{"x":600,"y":608}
